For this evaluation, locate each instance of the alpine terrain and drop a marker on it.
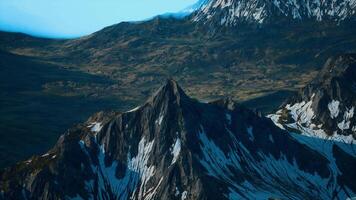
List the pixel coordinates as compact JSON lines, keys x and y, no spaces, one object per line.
{"x":175,"y":147}
{"x":293,"y":59}
{"x":325,"y":107}
{"x":235,"y":12}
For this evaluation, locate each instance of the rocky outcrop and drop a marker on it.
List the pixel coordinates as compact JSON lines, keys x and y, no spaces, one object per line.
{"x":235,"y":12}
{"x":325,"y":107}
{"x":175,"y":147}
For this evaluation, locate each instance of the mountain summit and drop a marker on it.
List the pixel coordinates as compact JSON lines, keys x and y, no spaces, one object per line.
{"x":175,"y":147}
{"x":233,"y":12}
{"x":325,"y":107}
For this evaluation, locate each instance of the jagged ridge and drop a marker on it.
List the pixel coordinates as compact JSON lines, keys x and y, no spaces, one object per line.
{"x":325,"y":107}
{"x":175,"y":147}
{"x":233,"y":12}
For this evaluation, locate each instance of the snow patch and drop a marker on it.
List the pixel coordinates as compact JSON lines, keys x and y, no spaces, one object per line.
{"x":177,"y":192}
{"x":232,"y":12}
{"x":137,"y":171}
{"x":345,"y":124}
{"x":150,"y":193}
{"x":134,"y":109}
{"x":275,"y":119}
{"x":95,"y":127}
{"x":176,"y":150}
{"x":334,"y":108}
{"x":160,"y":119}
{"x":45,"y":155}
{"x":214,"y":160}
{"x":184,"y":195}
{"x":226,"y":165}
{"x":320,"y":133}
{"x":302,"y":112}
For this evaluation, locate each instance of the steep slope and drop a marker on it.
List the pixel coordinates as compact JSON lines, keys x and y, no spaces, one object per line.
{"x":234,"y":12}
{"x":244,"y":63}
{"x":138,"y":56}
{"x":174,"y":147}
{"x":29,"y":112}
{"x":325,"y":107}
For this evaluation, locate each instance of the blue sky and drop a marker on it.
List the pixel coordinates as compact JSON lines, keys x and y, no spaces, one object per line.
{"x":73,"y":18}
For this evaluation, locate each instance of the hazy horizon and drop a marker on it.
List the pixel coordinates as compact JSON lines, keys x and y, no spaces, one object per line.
{"x":61,"y":19}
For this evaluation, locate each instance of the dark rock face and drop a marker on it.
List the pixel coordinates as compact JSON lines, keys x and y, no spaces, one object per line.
{"x":235,"y":12}
{"x":326,"y":106}
{"x":174,"y":147}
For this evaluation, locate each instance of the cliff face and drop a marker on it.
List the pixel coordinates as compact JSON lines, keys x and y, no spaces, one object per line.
{"x":175,"y":147}
{"x":235,"y":12}
{"x":325,"y":107}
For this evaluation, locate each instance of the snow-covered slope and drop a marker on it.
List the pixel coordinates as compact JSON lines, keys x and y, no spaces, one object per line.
{"x":232,"y":12}
{"x":325,"y":108}
{"x":174,"y":147}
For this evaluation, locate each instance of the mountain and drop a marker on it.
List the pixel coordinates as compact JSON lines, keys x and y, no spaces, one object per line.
{"x":175,"y":147}
{"x":243,"y":63}
{"x":31,"y":113}
{"x":234,"y":12}
{"x":258,"y":60}
{"x":325,"y":107}
{"x":259,"y":65}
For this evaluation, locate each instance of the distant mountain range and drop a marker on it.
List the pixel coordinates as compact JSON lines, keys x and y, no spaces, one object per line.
{"x":234,"y":12}
{"x":174,"y":146}
{"x":244,"y":62}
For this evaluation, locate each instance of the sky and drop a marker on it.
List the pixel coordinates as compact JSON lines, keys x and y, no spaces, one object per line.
{"x":74,"y":18}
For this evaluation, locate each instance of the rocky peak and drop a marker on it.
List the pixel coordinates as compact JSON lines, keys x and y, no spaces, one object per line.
{"x":325,"y":107}
{"x":170,"y":92}
{"x":174,"y":147}
{"x":233,"y":12}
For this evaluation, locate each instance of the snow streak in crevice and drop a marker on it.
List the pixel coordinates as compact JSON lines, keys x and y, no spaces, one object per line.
{"x":137,"y":173}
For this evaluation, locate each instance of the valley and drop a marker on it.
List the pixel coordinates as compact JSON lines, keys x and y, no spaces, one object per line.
{"x":239,"y":99}
{"x":131,"y":60}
